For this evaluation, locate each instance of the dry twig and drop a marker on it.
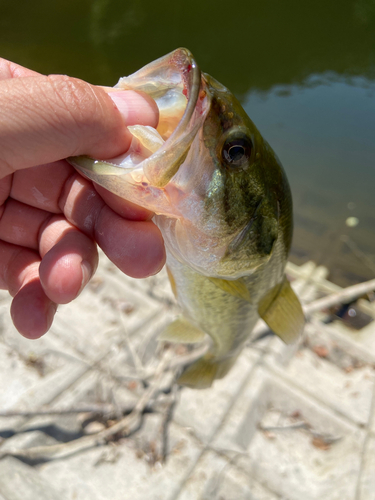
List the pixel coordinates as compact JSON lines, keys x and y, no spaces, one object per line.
{"x":167,"y":418}
{"x":344,"y":296}
{"x":326,"y":438}
{"x":124,"y":427}
{"x":93,"y":409}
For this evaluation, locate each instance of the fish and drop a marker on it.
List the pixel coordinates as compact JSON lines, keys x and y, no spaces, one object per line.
{"x":223,"y":204}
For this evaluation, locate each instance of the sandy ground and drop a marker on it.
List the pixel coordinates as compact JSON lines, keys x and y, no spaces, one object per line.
{"x":291,"y":422}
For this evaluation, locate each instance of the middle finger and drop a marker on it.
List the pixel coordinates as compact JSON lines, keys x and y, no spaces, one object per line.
{"x":69,"y":257}
{"x":135,"y":247}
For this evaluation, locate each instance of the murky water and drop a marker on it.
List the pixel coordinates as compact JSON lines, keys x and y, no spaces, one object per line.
{"x":305,"y":74}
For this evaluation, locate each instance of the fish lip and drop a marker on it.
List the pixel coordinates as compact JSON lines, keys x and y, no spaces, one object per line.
{"x":161,"y":166}
{"x":191,"y":74}
{"x":173,"y":152}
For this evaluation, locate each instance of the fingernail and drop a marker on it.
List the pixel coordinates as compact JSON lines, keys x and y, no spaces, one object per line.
{"x":86,"y":274}
{"x":121,"y":101}
{"x":136,"y":107}
{"x":50,"y":314}
{"x":158,"y":270}
{"x":159,"y":267}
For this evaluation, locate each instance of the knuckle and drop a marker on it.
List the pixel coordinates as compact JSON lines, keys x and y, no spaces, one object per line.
{"x":82,"y":112}
{"x":76,"y":96}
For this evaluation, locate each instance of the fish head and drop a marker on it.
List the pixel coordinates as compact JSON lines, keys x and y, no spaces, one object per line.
{"x":219,"y":192}
{"x":245,"y":201}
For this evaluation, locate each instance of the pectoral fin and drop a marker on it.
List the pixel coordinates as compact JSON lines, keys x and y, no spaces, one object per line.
{"x":282,"y":311}
{"x":233,"y":287}
{"x":202,"y":373}
{"x":182,"y":331}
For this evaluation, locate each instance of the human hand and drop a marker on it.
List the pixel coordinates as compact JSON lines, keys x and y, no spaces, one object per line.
{"x":51,"y":218}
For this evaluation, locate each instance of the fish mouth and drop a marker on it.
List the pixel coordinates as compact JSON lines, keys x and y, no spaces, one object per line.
{"x":159,"y":168}
{"x":174,"y":77}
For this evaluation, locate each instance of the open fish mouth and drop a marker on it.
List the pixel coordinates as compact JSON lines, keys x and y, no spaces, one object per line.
{"x":200,"y":171}
{"x":155,"y":155}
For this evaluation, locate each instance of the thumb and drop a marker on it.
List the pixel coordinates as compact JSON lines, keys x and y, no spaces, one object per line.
{"x":47,"y":118}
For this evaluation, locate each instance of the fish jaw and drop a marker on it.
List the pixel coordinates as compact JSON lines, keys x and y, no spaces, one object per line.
{"x":174,"y":82}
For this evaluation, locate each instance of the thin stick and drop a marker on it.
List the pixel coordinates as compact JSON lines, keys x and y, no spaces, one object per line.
{"x":98,"y":410}
{"x":346,"y":295}
{"x":133,"y":353}
{"x":327,"y":438}
{"x":272,"y":428}
{"x":167,"y":418}
{"x":125,"y":426}
{"x":349,"y":294}
{"x":175,"y":363}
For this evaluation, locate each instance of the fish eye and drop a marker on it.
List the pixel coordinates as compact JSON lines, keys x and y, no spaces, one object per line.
{"x":237,"y":150}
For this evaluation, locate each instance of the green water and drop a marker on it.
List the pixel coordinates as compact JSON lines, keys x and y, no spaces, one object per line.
{"x":305,"y":73}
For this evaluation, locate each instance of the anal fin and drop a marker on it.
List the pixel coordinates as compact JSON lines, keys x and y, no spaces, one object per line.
{"x":202,"y":373}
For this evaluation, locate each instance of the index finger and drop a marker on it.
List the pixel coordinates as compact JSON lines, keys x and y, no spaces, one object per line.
{"x":9,"y":69}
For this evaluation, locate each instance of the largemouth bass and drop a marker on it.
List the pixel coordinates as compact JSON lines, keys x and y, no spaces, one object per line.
{"x":223,"y":204}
